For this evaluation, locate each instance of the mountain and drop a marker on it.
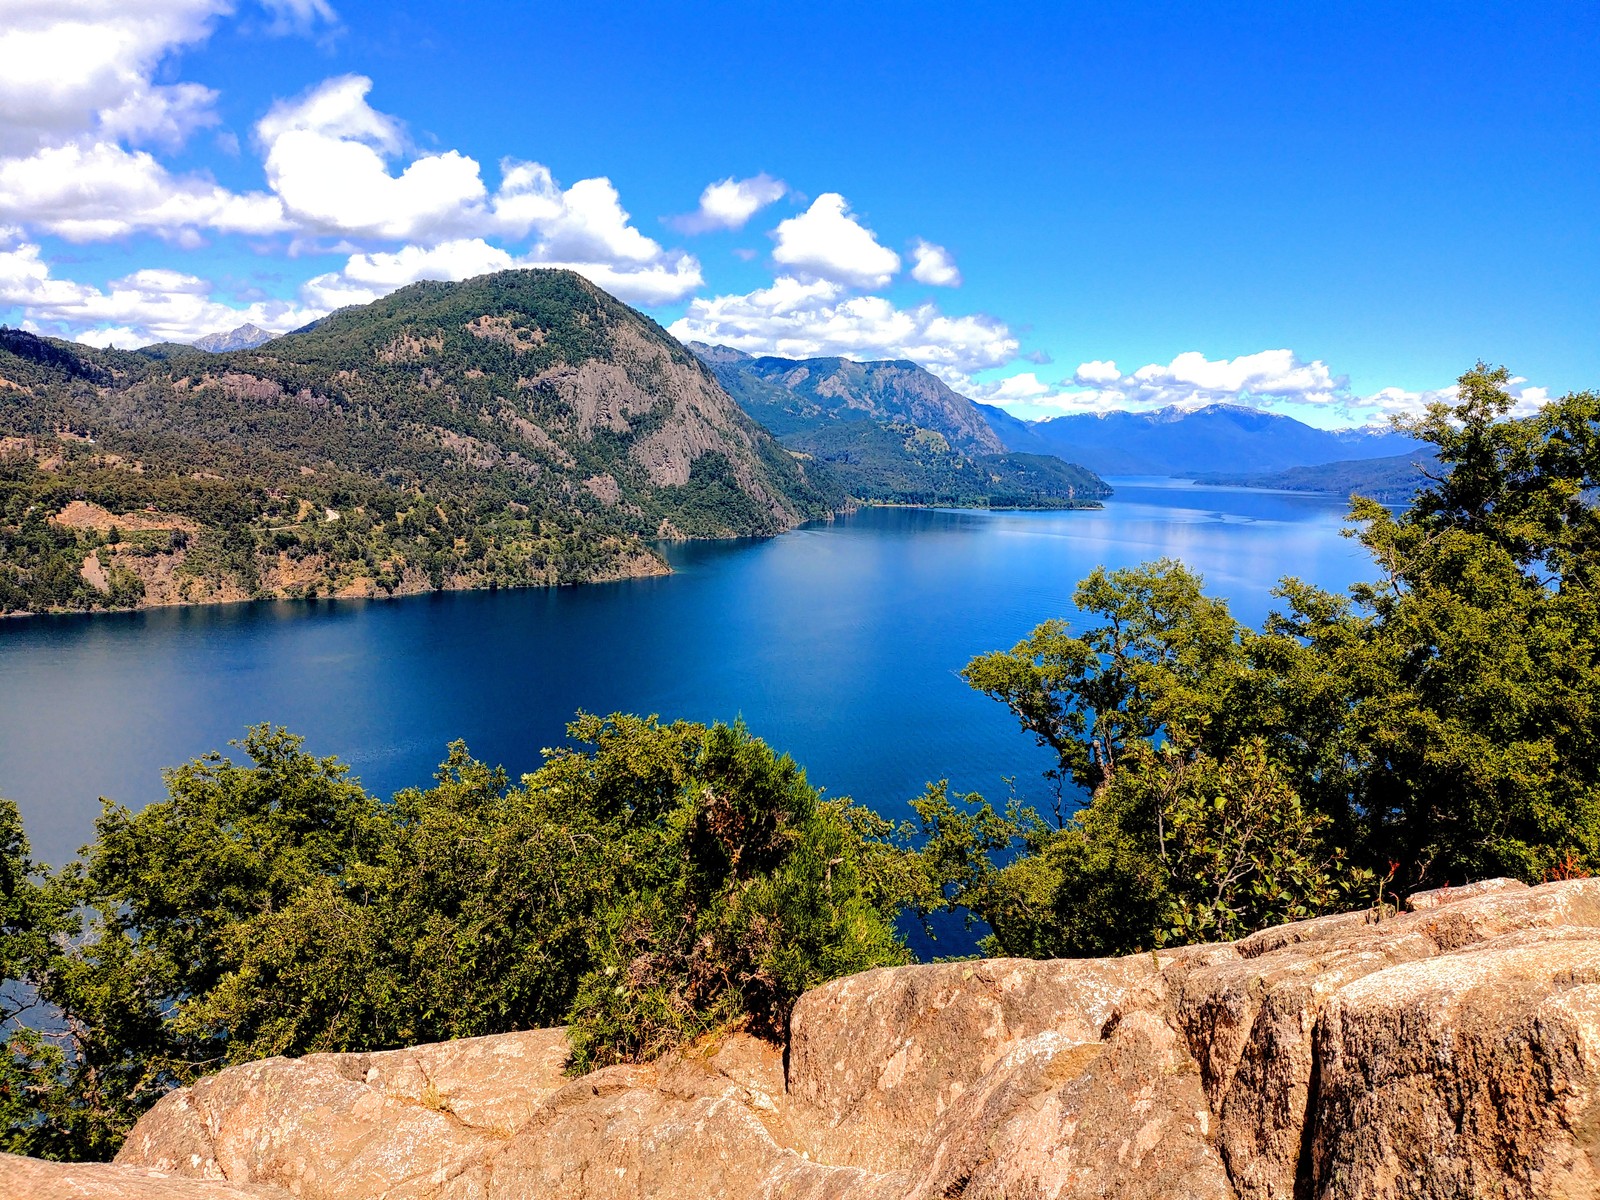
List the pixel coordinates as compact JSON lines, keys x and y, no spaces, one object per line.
{"x":893,"y":463}
{"x":891,"y":432}
{"x":1175,"y":441}
{"x":788,"y":395}
{"x":1394,"y":480}
{"x":246,"y":337}
{"x":521,"y":428}
{"x":1013,"y":432}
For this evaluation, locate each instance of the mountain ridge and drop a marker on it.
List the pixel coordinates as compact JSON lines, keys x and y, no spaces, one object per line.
{"x":891,"y":432}
{"x":245,"y":337}
{"x":1189,"y":441}
{"x":521,"y":428}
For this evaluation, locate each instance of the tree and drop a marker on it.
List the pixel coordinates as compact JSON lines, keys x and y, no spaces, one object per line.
{"x":31,"y":918}
{"x":1442,"y":723}
{"x":648,"y":884}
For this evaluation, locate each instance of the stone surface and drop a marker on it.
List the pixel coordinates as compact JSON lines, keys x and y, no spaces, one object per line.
{"x":875,"y":1059}
{"x":1447,"y":1052}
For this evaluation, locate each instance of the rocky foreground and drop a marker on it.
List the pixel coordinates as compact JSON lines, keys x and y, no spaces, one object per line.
{"x":1450,"y":1051}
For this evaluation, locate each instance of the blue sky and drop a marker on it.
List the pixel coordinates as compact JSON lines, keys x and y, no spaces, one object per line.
{"x":1323,"y":210}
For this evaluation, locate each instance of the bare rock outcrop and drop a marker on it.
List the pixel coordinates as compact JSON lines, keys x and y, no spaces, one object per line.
{"x":1451,"y":1051}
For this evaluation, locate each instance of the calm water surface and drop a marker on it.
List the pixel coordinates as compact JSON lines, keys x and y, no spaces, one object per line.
{"x":839,"y":643}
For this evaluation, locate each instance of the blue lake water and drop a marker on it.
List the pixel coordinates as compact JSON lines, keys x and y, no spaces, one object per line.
{"x":839,"y":643}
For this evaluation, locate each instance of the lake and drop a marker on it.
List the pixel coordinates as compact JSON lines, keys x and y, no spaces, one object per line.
{"x":839,"y":643}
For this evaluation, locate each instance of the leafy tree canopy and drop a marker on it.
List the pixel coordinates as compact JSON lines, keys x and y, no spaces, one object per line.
{"x":649,"y":884}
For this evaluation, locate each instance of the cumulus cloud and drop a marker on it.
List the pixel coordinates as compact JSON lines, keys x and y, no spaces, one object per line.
{"x":1274,"y":380}
{"x":366,"y":277}
{"x":326,"y":159}
{"x":1393,"y":401}
{"x":86,"y":192}
{"x":1262,"y":380}
{"x":934,"y":265}
{"x":730,"y":203}
{"x":826,"y":242}
{"x":145,"y":306}
{"x":1097,"y":373}
{"x":70,"y":67}
{"x":298,"y":16}
{"x":811,"y":318}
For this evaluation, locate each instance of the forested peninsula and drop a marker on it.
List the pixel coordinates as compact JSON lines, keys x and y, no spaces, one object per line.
{"x":522,"y":428}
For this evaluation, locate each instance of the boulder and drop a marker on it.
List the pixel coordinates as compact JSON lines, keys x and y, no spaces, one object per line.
{"x":876,"y":1058}
{"x":1446,"y":1052}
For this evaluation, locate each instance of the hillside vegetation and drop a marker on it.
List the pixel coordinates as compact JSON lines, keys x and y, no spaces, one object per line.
{"x":520,"y":428}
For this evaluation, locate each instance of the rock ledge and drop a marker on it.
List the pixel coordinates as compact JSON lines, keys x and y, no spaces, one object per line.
{"x":1449,"y":1051}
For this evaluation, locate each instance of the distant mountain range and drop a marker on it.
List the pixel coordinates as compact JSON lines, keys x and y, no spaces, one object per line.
{"x":1174,"y":441}
{"x":246,"y":337}
{"x":892,"y":432}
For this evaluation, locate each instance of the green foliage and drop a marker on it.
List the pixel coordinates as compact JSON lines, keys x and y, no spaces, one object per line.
{"x":647,"y":885}
{"x":32,"y":918}
{"x":1442,"y":723}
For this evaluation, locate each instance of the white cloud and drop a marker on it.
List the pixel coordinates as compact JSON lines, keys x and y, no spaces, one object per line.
{"x":326,"y":160}
{"x":826,"y":242}
{"x":592,"y":226}
{"x":89,"y":191}
{"x":366,"y":277}
{"x":934,"y":265}
{"x":1096,"y":373}
{"x":298,"y":16}
{"x":1267,"y":379}
{"x":146,"y":306}
{"x":799,"y":318}
{"x":730,"y":203}
{"x":1393,"y":401}
{"x":68,"y":66}
{"x":1025,"y":388}
{"x":1272,"y":380}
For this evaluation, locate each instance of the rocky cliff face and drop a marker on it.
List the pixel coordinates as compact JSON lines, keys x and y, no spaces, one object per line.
{"x":790,"y":395}
{"x":1450,"y":1051}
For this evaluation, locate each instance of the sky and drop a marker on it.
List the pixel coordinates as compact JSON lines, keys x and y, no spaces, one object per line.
{"x":1324,"y":210}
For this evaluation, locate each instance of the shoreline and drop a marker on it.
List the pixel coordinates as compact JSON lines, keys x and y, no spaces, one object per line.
{"x":402,"y":593}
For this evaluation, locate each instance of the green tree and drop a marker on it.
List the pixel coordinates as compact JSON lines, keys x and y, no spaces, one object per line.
{"x":648,"y":884}
{"x":32,"y":918}
{"x":1442,"y":723}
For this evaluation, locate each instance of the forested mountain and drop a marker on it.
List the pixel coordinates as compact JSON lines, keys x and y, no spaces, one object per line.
{"x":519,"y":428}
{"x":790,"y":395}
{"x":892,"y":432}
{"x":1394,"y":479}
{"x":1175,"y":441}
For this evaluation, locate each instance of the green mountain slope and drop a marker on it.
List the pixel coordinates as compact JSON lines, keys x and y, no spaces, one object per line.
{"x":1395,"y":479}
{"x":902,"y":464}
{"x":892,"y":433}
{"x":520,"y":428}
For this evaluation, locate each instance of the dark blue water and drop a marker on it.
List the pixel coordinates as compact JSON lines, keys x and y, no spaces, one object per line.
{"x":839,"y":643}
